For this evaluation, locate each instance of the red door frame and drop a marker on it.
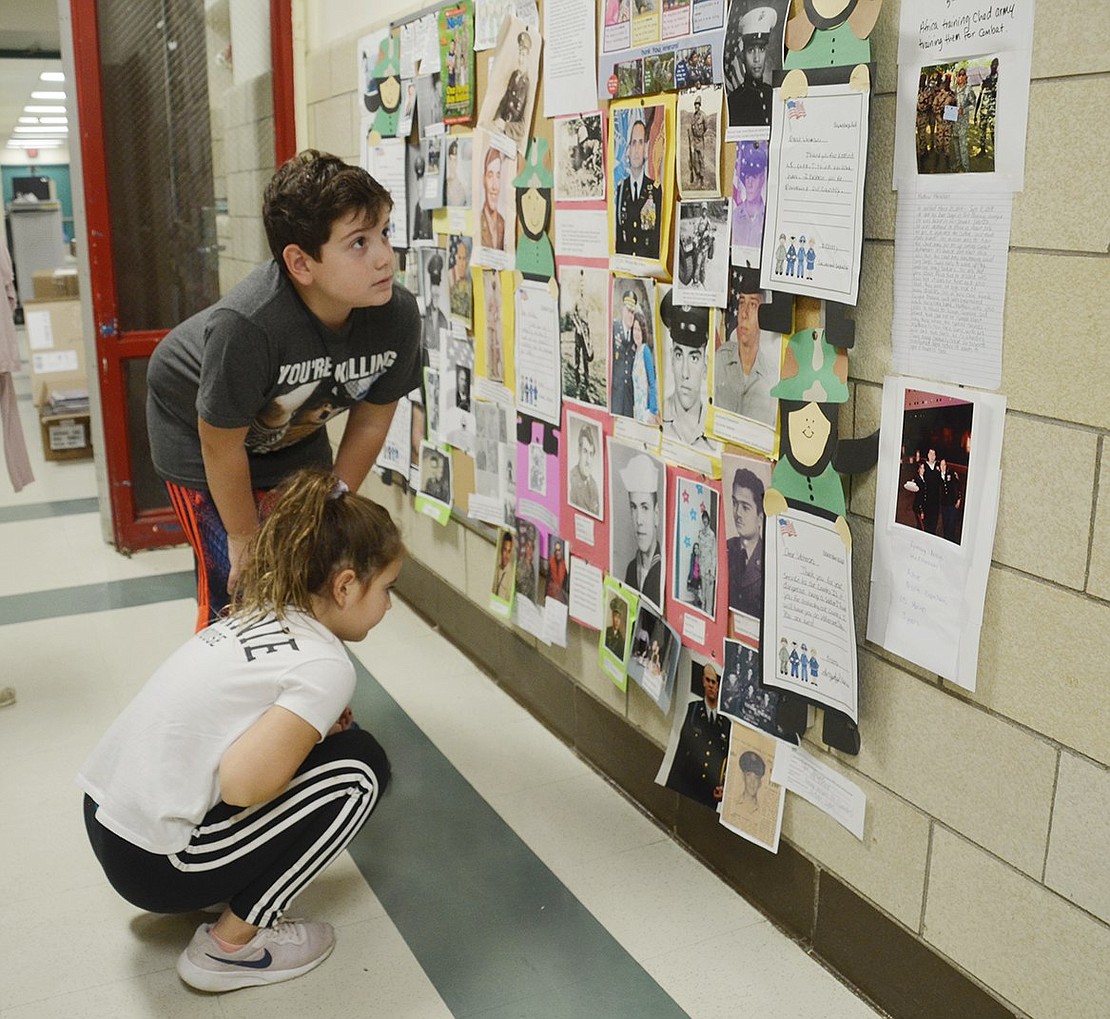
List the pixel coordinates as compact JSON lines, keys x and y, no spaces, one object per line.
{"x":133,"y":530}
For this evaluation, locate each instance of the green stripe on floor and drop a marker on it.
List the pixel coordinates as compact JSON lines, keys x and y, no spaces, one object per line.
{"x":114,"y":594}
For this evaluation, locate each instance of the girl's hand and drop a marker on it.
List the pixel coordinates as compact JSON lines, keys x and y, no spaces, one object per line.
{"x":343,"y":722}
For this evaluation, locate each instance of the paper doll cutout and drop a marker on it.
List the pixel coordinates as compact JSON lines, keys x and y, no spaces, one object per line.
{"x":836,"y":39}
{"x":383,"y":94}
{"x":534,"y":255}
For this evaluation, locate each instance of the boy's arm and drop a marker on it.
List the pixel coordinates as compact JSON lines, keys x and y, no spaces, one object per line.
{"x":363,"y":438}
{"x":261,"y":762}
{"x":229,"y":481}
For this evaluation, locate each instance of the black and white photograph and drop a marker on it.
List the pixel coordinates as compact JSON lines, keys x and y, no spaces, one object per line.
{"x":431,"y":149}
{"x":429,"y":105}
{"x":431,"y":394}
{"x":511,"y":88}
{"x":753,"y":53}
{"x":637,"y":497}
{"x":699,"y":142}
{"x":933,"y":475}
{"x":744,"y":480}
{"x":702,"y":253}
{"x":585,"y":465}
{"x":685,"y":332}
{"x":634,"y":391}
{"x":579,"y":147}
{"x":457,"y":172}
{"x":435,"y":301}
{"x":743,"y":695}
{"x":419,"y":212}
{"x":435,"y":473}
{"x":583,"y":334}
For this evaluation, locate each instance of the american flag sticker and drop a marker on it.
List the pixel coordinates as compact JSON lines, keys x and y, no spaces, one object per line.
{"x":795,"y":109}
{"x":786,"y":529}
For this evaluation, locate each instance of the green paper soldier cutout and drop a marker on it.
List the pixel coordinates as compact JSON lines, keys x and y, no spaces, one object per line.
{"x":387,"y":74}
{"x":836,"y":38}
{"x":535,"y":258}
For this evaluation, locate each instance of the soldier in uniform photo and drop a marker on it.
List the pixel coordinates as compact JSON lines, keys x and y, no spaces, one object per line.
{"x":621,"y":401}
{"x":509,"y":117}
{"x":644,"y":571}
{"x":748,"y":363}
{"x":699,"y":127}
{"x":749,"y":91}
{"x":638,"y":200}
{"x":697,"y":770}
{"x":684,"y":410}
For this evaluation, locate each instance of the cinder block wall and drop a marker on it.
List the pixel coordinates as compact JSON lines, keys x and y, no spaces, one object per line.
{"x":981,"y":887}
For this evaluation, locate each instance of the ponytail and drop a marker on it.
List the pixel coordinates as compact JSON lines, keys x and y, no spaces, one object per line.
{"x":315,"y":528}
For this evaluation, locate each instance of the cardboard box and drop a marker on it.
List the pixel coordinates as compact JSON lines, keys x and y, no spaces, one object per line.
{"x":57,"y":346}
{"x":66,"y":437}
{"x":54,"y":284}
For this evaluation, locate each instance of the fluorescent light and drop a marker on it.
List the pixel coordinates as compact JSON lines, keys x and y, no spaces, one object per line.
{"x":44,"y":109}
{"x":28,"y":120}
{"x":52,"y":76}
{"x":48,"y":95}
{"x":52,"y":120}
{"x":56,"y":131}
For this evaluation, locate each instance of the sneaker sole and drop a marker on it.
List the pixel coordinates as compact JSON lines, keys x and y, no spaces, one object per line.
{"x":233,"y":980}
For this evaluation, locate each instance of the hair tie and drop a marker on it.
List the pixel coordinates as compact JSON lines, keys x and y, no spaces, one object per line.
{"x":339,"y":489}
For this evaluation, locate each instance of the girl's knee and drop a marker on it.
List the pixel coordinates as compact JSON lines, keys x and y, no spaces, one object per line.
{"x":358,"y":745}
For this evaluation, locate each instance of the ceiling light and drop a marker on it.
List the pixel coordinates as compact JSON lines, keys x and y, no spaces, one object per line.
{"x":51,"y":120}
{"x":28,"y":120}
{"x":44,"y":109}
{"x":34,"y":143}
{"x":52,"y":76}
{"x":48,"y":95}
{"x":56,"y":131}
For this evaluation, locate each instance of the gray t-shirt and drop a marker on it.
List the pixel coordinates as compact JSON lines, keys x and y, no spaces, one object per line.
{"x":260,"y":358}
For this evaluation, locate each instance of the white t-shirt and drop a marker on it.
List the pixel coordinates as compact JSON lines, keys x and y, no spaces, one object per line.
{"x":155,"y":773}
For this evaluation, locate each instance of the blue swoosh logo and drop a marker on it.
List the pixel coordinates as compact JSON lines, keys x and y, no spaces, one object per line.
{"x":249,"y":964}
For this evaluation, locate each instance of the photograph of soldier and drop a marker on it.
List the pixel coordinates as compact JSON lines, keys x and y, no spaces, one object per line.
{"x":693,"y":67}
{"x":511,"y":92}
{"x":637,"y":495}
{"x":583,"y":326}
{"x":419,"y":213}
{"x":658,"y":73}
{"x":702,"y":252}
{"x":631,"y":301}
{"x":429,"y":102}
{"x":933,"y":474}
{"x":495,"y":234}
{"x":749,"y":362}
{"x":743,"y":695}
{"x":457,"y":176}
{"x":699,"y":153}
{"x":752,"y":803}
{"x":527,"y":561}
{"x":435,"y":473}
{"x":639,"y":145}
{"x":744,"y":480}
{"x":616,"y":633}
{"x":585,"y":469}
{"x":753,"y":52}
{"x":461,"y":288}
{"x":749,"y":203}
{"x":579,"y":158}
{"x":695,"y":760}
{"x":436,"y":302}
{"x":630,"y":78}
{"x":491,"y":298}
{"x":954,"y":129}
{"x":685,"y":372}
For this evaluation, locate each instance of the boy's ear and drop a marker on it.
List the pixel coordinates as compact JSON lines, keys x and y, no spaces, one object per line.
{"x":297,"y":263}
{"x":344,"y":584}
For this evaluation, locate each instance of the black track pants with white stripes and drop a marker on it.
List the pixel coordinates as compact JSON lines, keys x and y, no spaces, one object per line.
{"x":256,"y":858}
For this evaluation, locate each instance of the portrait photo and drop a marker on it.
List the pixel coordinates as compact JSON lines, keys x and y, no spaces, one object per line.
{"x":699,"y":142}
{"x":639,"y":147}
{"x":749,"y":202}
{"x":432,"y":185}
{"x":748,"y":362}
{"x":458,"y":185}
{"x":933,"y":473}
{"x":429,"y":104}
{"x":752,"y":804}
{"x":585,"y":465}
{"x":615,"y":637}
{"x":504,"y":569}
{"x":435,"y":301}
{"x":694,"y":545}
{"x":744,"y":480}
{"x":702,"y":252}
{"x":495,"y":197}
{"x":637,"y":497}
{"x":557,"y":569}
{"x":633,"y":366}
{"x":528,"y":561}
{"x":753,"y":53}
{"x":697,"y":750}
{"x":579,"y":147}
{"x":685,"y":331}
{"x":511,"y":89}
{"x":460,"y":287}
{"x":583,"y":334}
{"x":435,"y":473}
{"x":494,"y":351}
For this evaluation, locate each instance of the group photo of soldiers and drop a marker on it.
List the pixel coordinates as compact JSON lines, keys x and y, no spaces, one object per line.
{"x":956,"y":110}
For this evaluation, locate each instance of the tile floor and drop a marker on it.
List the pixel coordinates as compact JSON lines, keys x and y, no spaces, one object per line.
{"x":500,"y":877}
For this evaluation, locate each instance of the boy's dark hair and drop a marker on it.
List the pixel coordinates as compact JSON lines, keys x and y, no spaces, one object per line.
{"x":308,"y":193}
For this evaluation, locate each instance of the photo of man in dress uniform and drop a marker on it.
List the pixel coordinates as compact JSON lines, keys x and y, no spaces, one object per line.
{"x":638,"y":199}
